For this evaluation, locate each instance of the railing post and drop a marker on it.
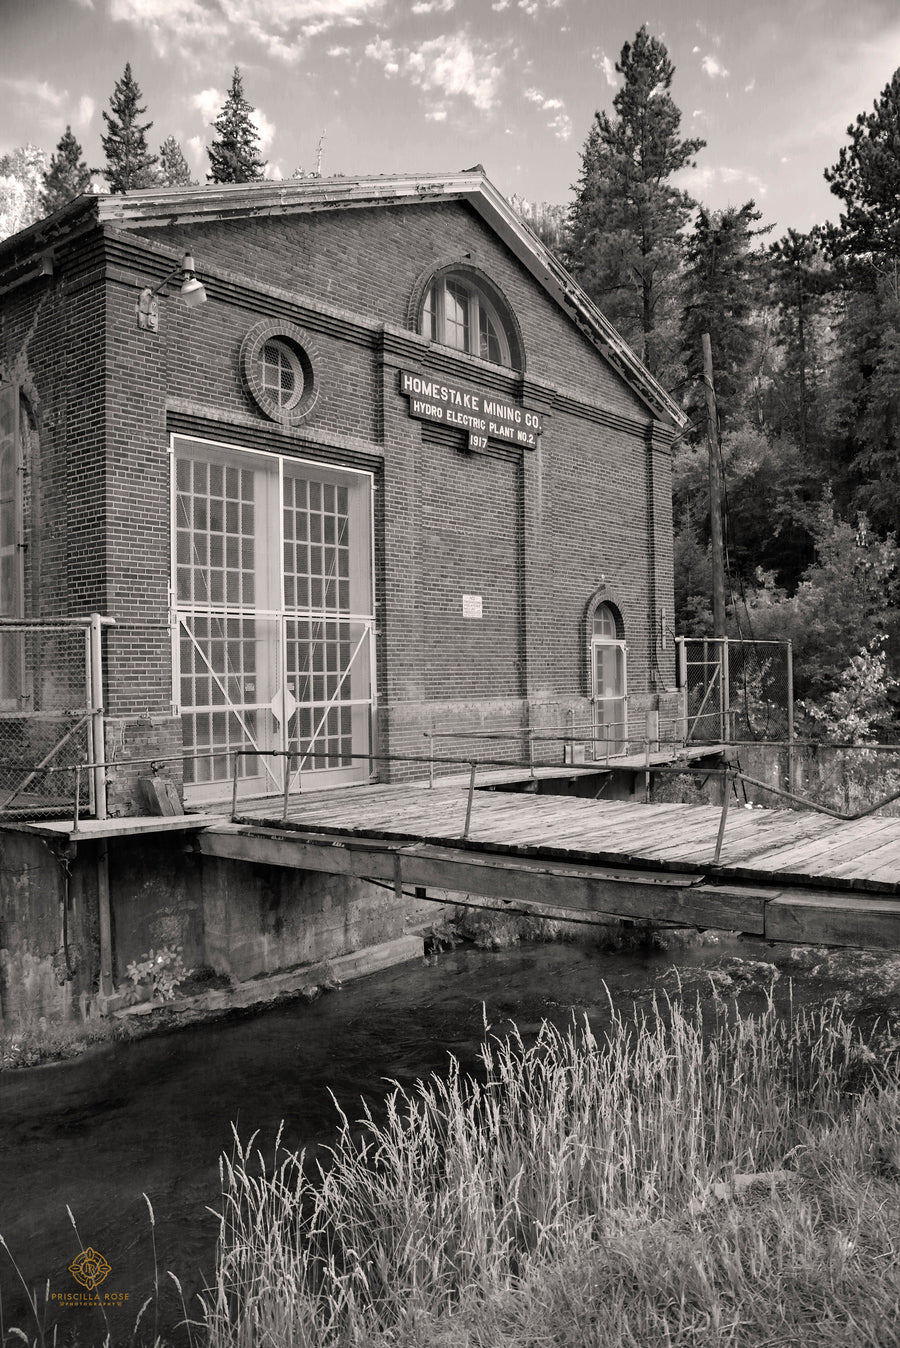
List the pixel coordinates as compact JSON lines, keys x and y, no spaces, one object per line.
{"x":98,"y":746}
{"x":287,"y":784}
{"x":234,"y":781}
{"x":727,"y":781}
{"x":471,"y":797}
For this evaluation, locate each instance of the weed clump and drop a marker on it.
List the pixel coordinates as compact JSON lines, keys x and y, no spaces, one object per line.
{"x":673,"y":1182}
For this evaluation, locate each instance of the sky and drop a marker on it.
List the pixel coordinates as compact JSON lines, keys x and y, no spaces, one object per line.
{"x":406,"y":86}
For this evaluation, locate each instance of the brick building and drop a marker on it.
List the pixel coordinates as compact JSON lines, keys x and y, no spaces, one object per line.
{"x":396,"y":488}
{"x":396,"y":476}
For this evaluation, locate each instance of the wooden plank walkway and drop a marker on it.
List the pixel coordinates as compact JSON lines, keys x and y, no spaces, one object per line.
{"x":791,"y":876}
{"x":766,"y":846}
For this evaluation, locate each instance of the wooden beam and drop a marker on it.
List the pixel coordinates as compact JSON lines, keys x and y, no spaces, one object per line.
{"x":816,"y":918}
{"x":649,"y":895}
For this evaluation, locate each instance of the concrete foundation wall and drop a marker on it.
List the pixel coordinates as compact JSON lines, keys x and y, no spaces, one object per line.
{"x":49,"y":944}
{"x":237,"y":919}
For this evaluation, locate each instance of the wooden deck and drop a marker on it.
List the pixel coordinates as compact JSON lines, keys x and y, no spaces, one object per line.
{"x":786,"y":875}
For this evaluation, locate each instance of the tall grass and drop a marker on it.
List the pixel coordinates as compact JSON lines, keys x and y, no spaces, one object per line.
{"x":586,"y":1192}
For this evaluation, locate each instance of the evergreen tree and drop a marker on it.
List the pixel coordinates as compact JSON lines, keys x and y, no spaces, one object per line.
{"x":173,"y":168}
{"x":627,"y":216}
{"x":867,"y":180}
{"x":67,"y":175}
{"x":799,"y":282}
{"x":234,"y":154}
{"x":865,"y":247}
{"x":723,"y":291}
{"x":129,"y":162}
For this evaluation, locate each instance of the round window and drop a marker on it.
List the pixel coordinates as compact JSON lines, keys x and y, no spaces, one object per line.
{"x":277,"y":371}
{"x":282,"y":374}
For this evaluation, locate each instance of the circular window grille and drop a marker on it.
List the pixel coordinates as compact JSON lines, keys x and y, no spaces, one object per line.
{"x":278,"y":372}
{"x":282,"y":374}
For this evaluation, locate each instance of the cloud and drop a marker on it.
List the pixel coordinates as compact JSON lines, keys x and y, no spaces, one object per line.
{"x":458,"y":68}
{"x":36,"y":91}
{"x":86,"y":109}
{"x":533,"y":7}
{"x":385,"y":54}
{"x":454,"y":66}
{"x":702,"y":182}
{"x":608,"y":66}
{"x":209,"y":103}
{"x":283,"y":28}
{"x":561,"y":124}
{"x":338,"y":51}
{"x":265,"y":128}
{"x":748,"y":88}
{"x":713,"y":68}
{"x":433,"y":6}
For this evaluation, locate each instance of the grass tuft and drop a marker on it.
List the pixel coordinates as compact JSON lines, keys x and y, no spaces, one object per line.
{"x":673,"y":1183}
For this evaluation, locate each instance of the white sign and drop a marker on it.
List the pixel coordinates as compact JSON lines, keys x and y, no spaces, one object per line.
{"x":472,"y":606}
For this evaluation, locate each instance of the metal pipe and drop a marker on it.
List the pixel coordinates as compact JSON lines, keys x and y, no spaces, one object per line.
{"x":98,"y":738}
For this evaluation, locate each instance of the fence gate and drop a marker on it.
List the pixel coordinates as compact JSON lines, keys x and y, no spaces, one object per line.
{"x":735,"y":690}
{"x":51,"y":717}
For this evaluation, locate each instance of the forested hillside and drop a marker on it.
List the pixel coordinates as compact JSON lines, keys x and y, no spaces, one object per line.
{"x":805,"y":337}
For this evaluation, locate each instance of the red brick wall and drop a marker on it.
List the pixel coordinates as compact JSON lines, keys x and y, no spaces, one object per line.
{"x":535,"y":533}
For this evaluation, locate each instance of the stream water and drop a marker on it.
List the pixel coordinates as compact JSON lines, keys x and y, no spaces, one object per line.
{"x":152,"y":1116}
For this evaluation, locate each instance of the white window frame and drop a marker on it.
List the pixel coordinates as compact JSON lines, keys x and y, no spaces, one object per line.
{"x":603,"y":704}
{"x":434,"y":316}
{"x":270,"y":607}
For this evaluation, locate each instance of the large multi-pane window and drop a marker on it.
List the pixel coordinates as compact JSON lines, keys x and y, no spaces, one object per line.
{"x":272,"y":577}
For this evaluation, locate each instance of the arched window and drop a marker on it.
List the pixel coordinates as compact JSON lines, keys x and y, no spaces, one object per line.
{"x":458,"y":311}
{"x":608,"y":682}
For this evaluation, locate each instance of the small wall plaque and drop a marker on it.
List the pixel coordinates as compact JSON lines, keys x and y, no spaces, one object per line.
{"x":472,"y":606}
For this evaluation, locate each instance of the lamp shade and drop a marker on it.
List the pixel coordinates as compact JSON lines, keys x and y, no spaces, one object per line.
{"x":192,"y":292}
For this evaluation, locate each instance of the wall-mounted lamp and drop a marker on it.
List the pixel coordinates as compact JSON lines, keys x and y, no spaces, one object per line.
{"x":192,"y":292}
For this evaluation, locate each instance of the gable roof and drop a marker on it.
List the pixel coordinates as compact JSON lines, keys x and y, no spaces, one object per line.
{"x":222,"y":201}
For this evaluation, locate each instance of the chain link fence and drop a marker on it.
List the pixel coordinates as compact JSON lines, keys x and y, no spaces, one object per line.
{"x":736,"y":690}
{"x":46,"y":716}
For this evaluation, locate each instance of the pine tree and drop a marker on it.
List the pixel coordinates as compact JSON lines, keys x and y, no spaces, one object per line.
{"x":865,"y":246}
{"x":173,"y":168}
{"x":129,"y":162}
{"x":234,"y":154}
{"x":867,"y":180}
{"x":627,"y":216}
{"x":67,"y":175}
{"x":798,"y":282}
{"x":723,"y":289}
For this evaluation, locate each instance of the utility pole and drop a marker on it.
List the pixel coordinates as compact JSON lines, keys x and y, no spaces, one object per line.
{"x":715,"y":493}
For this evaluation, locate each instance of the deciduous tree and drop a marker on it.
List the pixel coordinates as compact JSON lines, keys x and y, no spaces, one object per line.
{"x":21,"y":179}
